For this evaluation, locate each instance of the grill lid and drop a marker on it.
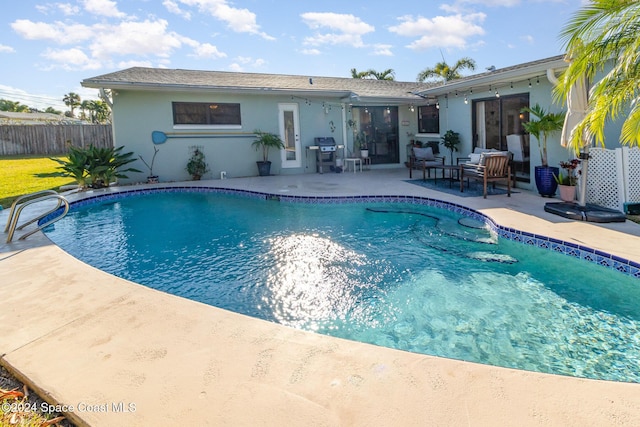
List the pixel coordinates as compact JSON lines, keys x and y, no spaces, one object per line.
{"x":324,"y":141}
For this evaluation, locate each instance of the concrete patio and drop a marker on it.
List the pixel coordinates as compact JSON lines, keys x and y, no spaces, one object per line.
{"x":121,"y":354}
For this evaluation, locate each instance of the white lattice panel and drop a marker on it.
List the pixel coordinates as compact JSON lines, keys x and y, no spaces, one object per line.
{"x":631,"y":168}
{"x":605,"y":183}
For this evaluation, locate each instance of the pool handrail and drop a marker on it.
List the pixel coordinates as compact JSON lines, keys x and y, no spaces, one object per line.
{"x":14,"y":215}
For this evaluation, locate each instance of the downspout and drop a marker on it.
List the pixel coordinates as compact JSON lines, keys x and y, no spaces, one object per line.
{"x":106,"y":99}
{"x":551,"y":76}
{"x":344,"y":133}
{"x":109,"y":102}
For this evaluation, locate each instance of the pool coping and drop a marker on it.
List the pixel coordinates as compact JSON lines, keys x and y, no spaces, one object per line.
{"x":87,"y":337}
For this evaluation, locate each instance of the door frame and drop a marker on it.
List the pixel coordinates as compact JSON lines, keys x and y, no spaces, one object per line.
{"x":282,"y":109}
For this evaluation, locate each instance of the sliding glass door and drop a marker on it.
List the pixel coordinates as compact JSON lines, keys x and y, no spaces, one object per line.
{"x":379,"y":127}
{"x":496,"y":118}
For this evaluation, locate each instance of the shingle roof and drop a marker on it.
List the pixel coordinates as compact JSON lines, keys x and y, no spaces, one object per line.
{"x":177,"y":79}
{"x":513,"y":73}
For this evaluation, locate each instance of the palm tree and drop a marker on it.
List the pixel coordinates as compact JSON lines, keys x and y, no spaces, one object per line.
{"x":100,"y":112}
{"x":14,"y":106}
{"x":600,"y":34}
{"x":52,"y":111}
{"x":360,"y":74}
{"x":71,"y":100}
{"x":541,"y":126}
{"x":442,"y":70}
{"x":387,"y":74}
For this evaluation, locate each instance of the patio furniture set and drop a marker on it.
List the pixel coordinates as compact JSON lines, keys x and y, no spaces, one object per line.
{"x":486,"y":165}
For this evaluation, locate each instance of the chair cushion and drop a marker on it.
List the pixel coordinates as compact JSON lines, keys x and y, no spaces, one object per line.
{"x":423,"y":153}
{"x":474,"y":158}
{"x":484,"y":155}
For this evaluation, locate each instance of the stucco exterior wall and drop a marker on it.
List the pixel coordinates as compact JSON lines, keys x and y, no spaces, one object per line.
{"x":138,"y":113}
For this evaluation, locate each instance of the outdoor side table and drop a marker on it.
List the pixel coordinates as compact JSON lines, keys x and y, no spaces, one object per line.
{"x":354,"y":161}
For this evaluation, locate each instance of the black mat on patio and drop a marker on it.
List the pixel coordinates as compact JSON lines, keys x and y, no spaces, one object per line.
{"x":589,"y":212}
{"x":473,"y":190}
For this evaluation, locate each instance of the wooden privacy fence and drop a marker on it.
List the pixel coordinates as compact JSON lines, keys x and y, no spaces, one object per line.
{"x":51,"y":139}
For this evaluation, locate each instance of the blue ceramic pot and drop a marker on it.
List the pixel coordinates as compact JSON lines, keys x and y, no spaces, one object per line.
{"x":545,"y":181}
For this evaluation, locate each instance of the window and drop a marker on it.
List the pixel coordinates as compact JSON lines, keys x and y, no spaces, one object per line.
{"x":205,"y":113}
{"x":428,"y":119}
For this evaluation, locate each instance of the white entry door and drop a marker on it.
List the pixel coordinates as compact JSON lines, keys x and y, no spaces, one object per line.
{"x":290,"y":135}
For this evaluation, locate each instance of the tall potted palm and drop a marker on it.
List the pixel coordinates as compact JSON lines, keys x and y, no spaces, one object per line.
{"x":265,"y":141}
{"x":542,"y":124}
{"x":450,"y":140}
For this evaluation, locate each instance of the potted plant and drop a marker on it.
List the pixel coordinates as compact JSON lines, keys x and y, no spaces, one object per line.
{"x":361,"y":144}
{"x":196,"y":166}
{"x":265,"y":141}
{"x":450,"y":140}
{"x":151,"y":178}
{"x":541,"y":126}
{"x":567,"y":183}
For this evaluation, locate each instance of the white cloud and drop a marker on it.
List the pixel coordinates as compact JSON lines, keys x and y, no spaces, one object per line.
{"x":496,"y":3}
{"x":451,"y":31}
{"x":174,"y":8}
{"x":134,"y":38}
{"x":311,"y":52}
{"x":528,"y":39}
{"x":243,"y":61}
{"x":343,"y":29}
{"x":103,"y":42}
{"x":382,"y":50}
{"x":206,"y":50}
{"x":134,"y":63}
{"x":71,"y":59}
{"x":247,"y":60}
{"x":107,"y":8}
{"x":40,"y":101}
{"x":238,"y":20}
{"x":6,"y":49}
{"x":68,"y":9}
{"x":58,"y":32}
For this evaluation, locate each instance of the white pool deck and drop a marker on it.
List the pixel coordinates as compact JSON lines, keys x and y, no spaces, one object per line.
{"x":124,"y":355}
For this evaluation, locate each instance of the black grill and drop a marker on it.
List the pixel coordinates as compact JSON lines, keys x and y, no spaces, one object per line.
{"x":325,"y":155}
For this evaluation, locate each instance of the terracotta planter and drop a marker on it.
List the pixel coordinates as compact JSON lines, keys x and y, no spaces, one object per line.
{"x":567,"y":192}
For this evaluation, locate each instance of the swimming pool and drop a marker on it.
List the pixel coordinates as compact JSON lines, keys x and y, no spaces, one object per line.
{"x":402,"y":275}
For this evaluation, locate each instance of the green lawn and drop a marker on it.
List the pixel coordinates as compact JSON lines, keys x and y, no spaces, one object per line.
{"x":27,"y":174}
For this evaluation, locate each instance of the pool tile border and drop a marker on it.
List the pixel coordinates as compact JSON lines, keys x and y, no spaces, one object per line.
{"x":604,"y":259}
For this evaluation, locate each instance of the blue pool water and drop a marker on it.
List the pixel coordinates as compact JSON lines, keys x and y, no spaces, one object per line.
{"x":404,"y":276}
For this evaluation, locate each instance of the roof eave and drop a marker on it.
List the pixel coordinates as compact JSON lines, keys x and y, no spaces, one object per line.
{"x":345,"y":96}
{"x":166,"y":87}
{"x":497,"y":77}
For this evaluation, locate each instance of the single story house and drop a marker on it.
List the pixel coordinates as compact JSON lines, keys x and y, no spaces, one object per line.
{"x":219,"y":111}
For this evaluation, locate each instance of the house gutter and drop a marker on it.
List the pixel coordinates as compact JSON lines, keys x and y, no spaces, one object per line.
{"x":499,"y":77}
{"x":348,"y":97}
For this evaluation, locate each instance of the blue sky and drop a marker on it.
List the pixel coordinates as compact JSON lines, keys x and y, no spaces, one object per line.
{"x":47,"y":48}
